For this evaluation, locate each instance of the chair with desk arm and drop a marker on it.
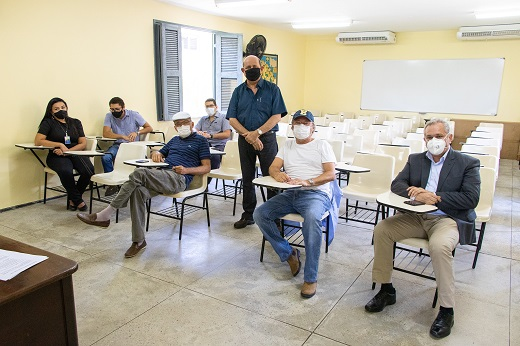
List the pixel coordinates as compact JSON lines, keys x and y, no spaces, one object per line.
{"x":489,"y":161}
{"x":484,"y":206}
{"x":384,"y":133}
{"x":291,"y":225}
{"x":480,"y":149}
{"x":365,"y":187}
{"x":119,"y":175}
{"x":197,"y":187}
{"x":338,"y":127}
{"x":370,"y":139}
{"x":400,"y":154}
{"x":91,"y":146}
{"x":229,"y":170}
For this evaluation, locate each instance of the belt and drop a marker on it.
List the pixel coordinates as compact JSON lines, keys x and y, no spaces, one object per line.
{"x":266,"y":133}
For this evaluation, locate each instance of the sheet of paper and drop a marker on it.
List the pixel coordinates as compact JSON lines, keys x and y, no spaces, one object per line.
{"x":13,"y":263}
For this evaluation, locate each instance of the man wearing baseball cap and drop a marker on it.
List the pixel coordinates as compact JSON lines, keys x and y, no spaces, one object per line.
{"x":186,"y":155}
{"x":308,"y":162}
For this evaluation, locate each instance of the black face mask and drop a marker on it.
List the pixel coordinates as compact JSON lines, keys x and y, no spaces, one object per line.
{"x":61,"y":114}
{"x":253,"y":74}
{"x":117,"y":114}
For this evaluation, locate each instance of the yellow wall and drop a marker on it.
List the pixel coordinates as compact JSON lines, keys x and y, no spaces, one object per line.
{"x":87,"y":51}
{"x":333,"y":72}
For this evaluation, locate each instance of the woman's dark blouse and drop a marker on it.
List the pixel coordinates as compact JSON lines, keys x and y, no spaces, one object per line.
{"x":55,"y":130}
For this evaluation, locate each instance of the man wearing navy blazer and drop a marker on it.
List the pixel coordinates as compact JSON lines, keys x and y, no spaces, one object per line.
{"x":449,"y":180}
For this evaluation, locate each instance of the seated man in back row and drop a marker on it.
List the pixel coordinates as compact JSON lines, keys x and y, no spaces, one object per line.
{"x":215,"y":128}
{"x":449,"y":180}
{"x":123,"y":125}
{"x":308,"y":162}
{"x":186,"y":155}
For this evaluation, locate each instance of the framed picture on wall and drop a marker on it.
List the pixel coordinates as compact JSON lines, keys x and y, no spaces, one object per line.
{"x":270,"y":67}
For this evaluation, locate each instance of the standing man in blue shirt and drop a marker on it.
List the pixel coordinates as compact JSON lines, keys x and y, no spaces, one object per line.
{"x":123,"y":125}
{"x":186,"y":155}
{"x":254,"y":111}
{"x":215,"y":128}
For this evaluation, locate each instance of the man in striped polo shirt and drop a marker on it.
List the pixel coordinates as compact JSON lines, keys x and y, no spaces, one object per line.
{"x":186,"y":155}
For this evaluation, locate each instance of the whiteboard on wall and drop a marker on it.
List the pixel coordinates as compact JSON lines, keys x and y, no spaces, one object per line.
{"x":457,"y":86}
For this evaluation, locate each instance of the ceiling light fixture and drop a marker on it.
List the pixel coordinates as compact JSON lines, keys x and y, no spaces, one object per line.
{"x":241,"y":3}
{"x":323,"y":24}
{"x":497,"y":13}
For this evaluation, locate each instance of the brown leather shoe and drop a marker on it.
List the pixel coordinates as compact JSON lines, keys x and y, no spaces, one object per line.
{"x":309,"y":289}
{"x":294,"y":262}
{"x":91,"y":220}
{"x":134,"y":249}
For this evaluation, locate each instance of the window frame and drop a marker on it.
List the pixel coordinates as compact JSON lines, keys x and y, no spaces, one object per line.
{"x":227,"y":72}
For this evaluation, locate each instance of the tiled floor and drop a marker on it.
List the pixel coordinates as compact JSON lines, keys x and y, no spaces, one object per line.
{"x":210,"y":288}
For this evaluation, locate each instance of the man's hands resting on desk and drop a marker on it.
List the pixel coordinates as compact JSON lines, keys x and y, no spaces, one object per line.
{"x":282,"y":177}
{"x":158,"y":157}
{"x":422,"y":195}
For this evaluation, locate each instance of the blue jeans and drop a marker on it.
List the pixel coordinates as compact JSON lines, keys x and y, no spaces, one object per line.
{"x":108,"y":159}
{"x":311,"y":205}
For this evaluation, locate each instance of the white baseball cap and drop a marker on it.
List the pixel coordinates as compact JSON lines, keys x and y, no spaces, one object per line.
{"x":181,"y":116}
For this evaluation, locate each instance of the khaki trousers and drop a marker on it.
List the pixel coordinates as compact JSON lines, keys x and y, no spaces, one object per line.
{"x":142,"y":185}
{"x":442,"y":235}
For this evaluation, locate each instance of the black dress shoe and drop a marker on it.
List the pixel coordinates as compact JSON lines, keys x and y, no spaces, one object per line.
{"x":243,"y":222}
{"x":379,"y":302}
{"x":441,"y":327}
{"x":84,"y":207}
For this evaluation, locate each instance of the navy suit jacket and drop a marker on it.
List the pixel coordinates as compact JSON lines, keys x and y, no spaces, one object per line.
{"x":459,"y":187}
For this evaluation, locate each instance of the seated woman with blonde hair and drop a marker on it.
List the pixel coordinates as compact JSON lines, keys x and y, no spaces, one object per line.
{"x":63,"y":133}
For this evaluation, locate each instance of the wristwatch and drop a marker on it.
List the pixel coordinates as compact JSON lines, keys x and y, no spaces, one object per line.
{"x":211,"y":135}
{"x":311,"y":181}
{"x":260,"y":132}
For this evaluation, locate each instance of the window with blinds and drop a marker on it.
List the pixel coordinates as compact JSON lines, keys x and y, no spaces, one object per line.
{"x":168,"y":53}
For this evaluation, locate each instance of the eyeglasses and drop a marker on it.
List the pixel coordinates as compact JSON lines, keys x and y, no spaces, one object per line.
{"x":182,"y":122}
{"x":116,"y":109}
{"x":302,"y":123}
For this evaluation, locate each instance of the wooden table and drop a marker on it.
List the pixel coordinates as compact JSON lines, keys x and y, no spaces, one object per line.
{"x":37,"y":305}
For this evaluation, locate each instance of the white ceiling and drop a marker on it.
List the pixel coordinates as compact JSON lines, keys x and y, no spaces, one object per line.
{"x":367,"y":15}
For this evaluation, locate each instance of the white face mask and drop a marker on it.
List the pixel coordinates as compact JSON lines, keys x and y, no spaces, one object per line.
{"x":301,"y":131}
{"x":436,"y":146}
{"x":184,"y":131}
{"x":210,"y":111}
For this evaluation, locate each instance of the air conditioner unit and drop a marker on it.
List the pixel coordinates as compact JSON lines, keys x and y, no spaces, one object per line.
{"x":367,"y":37}
{"x":489,"y":32}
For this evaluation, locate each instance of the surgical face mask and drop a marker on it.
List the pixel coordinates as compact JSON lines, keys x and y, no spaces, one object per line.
{"x":301,"y":131}
{"x":61,"y":114}
{"x":436,"y":146}
{"x":184,"y":131}
{"x":210,"y":111}
{"x":253,"y":74}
